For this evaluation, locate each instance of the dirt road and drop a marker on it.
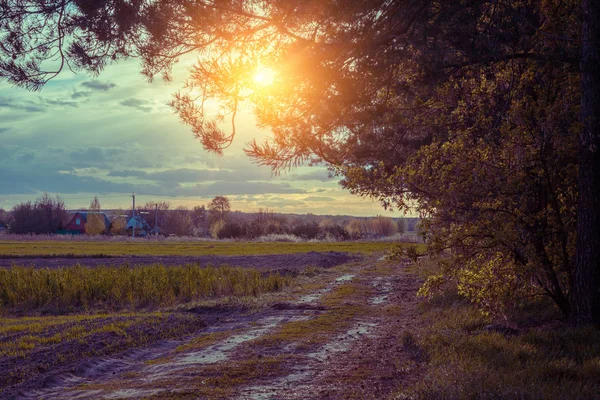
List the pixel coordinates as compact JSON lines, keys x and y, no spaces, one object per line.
{"x":343,"y":333}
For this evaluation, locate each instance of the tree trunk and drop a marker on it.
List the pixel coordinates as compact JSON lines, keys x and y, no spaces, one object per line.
{"x":586,"y":291}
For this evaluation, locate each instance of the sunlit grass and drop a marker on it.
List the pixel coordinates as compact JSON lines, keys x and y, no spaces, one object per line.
{"x":461,"y":359}
{"x":151,"y":248}
{"x":68,"y":289}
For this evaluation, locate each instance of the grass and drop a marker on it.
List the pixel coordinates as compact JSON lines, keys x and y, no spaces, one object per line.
{"x":194,"y":249}
{"x":71,"y":289}
{"x":35,"y":345}
{"x":547,"y":360}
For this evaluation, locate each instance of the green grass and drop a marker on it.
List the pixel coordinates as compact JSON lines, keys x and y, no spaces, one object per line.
{"x":108,"y":248}
{"x":71,"y":289}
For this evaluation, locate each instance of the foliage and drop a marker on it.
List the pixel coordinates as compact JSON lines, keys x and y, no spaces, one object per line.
{"x":27,"y":289}
{"x":216,"y":227}
{"x":46,"y":215}
{"x":466,"y":360}
{"x":95,"y":224}
{"x":383,"y":226}
{"x":179,"y":222}
{"x":117,"y":226}
{"x":219,"y":208}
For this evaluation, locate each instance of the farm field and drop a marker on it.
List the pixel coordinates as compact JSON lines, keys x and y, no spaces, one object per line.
{"x":169,"y":248}
{"x":351,"y":329}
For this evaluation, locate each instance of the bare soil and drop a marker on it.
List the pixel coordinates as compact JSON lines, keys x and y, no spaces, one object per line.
{"x":365,"y":350}
{"x":272,"y":261}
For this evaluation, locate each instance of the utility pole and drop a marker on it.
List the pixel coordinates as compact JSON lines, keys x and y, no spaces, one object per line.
{"x":133,"y":217}
{"x":156,"y":219}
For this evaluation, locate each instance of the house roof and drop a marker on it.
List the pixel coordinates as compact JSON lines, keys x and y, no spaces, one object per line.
{"x":137,"y":222}
{"x":84,"y":214}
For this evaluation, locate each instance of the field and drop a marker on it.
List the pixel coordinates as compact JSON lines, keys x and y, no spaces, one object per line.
{"x":194,"y":249}
{"x":325,"y":321}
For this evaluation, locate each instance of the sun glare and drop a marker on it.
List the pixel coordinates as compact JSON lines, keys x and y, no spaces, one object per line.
{"x":264,"y":77}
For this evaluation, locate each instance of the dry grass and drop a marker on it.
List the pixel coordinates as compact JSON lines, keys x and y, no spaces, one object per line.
{"x":70,"y":289}
{"x":465,"y":360}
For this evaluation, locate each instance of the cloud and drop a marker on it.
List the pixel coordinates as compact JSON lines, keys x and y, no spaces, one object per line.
{"x":2,"y":130}
{"x":140,"y":104}
{"x":195,"y":175}
{"x":317,"y":175}
{"x":15,"y":105}
{"x":92,"y":155}
{"x":318,"y":198}
{"x":281,"y":203}
{"x":99,"y":86}
{"x":41,"y":105}
{"x":92,"y":86}
{"x":60,"y":103}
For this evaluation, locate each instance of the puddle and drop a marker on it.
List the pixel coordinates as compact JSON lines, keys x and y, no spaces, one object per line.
{"x":314,"y":297}
{"x":343,"y":342}
{"x":379,"y":299}
{"x":344,"y":278}
{"x":131,"y":394}
{"x":384,"y":288}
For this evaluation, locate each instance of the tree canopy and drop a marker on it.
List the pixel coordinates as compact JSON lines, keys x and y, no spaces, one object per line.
{"x":484,"y":113}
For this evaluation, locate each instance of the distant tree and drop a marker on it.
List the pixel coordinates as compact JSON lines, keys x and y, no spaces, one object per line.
{"x":152,"y":217}
{"x":95,"y":220}
{"x":401,"y":225}
{"x":309,"y":230}
{"x":383,"y":226}
{"x":199,"y":220}
{"x":5,"y":217}
{"x":219,"y":208}
{"x":117,"y":226}
{"x":356,"y":228}
{"x":216,"y":227}
{"x":46,"y":215}
{"x":179,"y":222}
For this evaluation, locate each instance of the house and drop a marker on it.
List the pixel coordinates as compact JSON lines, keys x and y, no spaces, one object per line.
{"x":142,"y":228}
{"x":79,"y":221}
{"x":3,"y":228}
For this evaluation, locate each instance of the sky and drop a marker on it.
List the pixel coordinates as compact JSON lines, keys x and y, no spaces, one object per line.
{"x":112,"y":135}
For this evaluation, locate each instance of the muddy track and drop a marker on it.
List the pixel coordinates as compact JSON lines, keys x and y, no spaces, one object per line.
{"x":353,"y":347}
{"x":271,"y":261}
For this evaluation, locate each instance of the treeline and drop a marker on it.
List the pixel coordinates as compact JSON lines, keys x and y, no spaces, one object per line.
{"x":48,"y":215}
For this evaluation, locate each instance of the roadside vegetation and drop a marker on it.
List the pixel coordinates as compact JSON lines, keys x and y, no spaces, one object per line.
{"x":68,"y":289}
{"x":533,"y":353}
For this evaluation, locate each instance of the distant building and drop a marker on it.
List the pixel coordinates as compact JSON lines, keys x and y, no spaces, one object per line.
{"x":78,"y":223}
{"x":3,"y":228}
{"x":142,"y":228}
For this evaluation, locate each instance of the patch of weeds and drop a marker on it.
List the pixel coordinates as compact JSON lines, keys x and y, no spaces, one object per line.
{"x":467,"y":362}
{"x":68,"y":289}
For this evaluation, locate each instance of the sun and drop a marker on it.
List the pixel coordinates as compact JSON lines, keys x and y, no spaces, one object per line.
{"x":264,"y":77}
